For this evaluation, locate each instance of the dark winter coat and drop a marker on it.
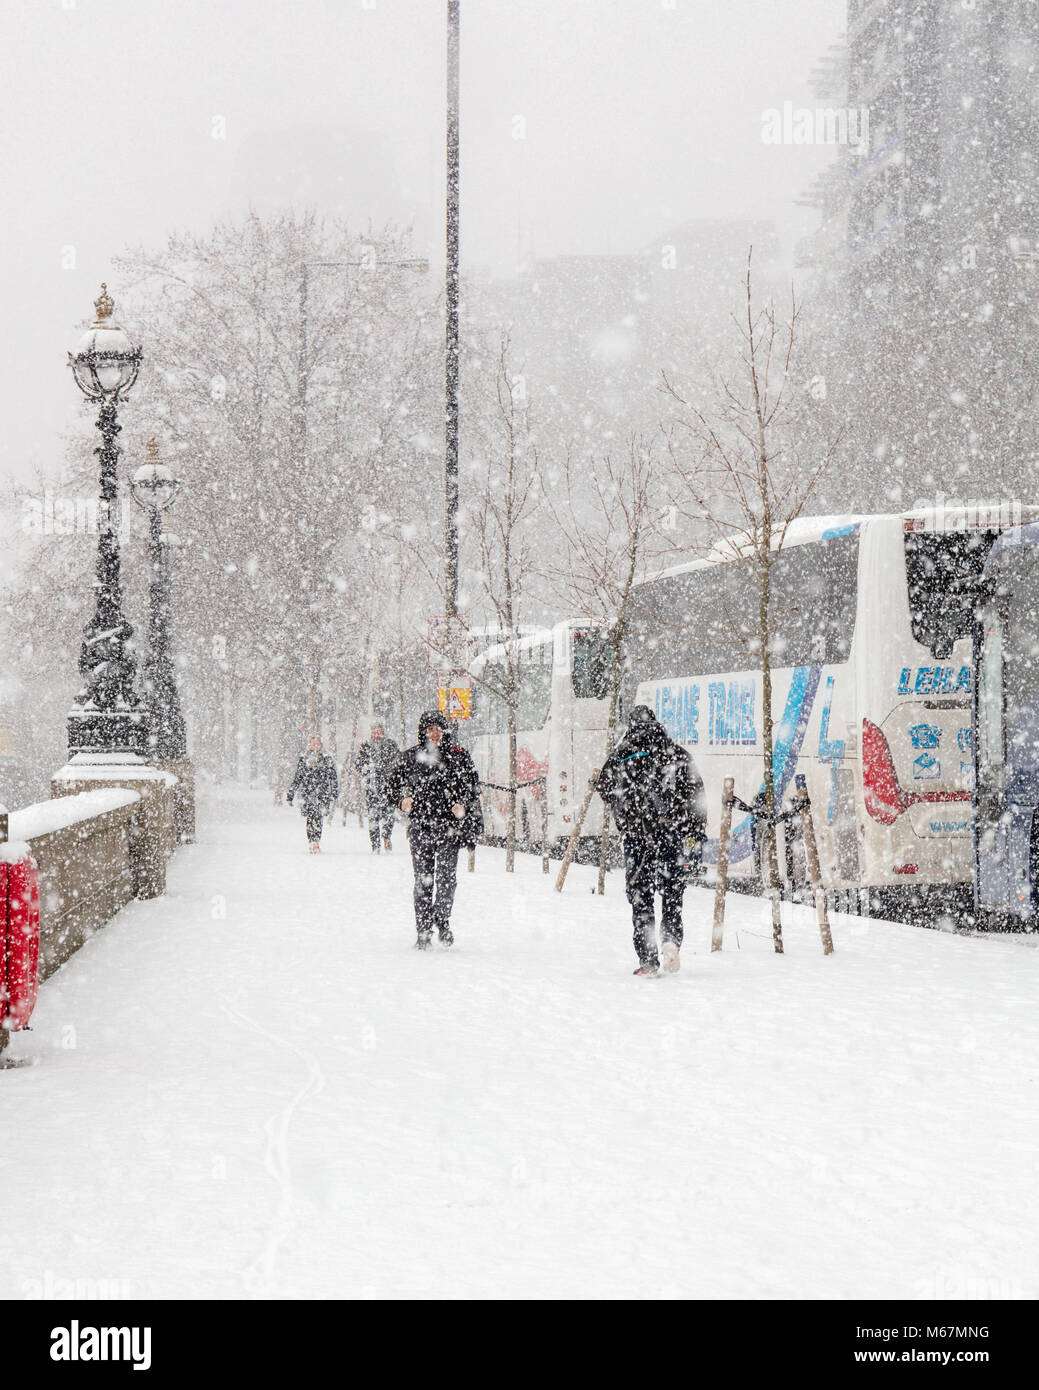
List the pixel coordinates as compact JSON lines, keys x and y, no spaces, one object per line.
{"x":316,"y":782}
{"x":375,"y":762}
{"x":437,"y":778}
{"x":651,"y":787}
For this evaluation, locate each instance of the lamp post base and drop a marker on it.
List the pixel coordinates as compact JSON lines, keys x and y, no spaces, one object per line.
{"x":103,"y":731}
{"x":183,"y":796}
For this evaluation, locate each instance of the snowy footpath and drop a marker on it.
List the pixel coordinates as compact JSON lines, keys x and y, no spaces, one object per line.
{"x":256,"y":1087}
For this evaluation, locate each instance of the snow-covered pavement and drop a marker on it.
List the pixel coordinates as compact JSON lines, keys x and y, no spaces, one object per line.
{"x":256,"y":1087}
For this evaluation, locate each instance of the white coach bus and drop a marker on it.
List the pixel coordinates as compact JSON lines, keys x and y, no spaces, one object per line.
{"x":561,"y":731}
{"x":872,"y":627}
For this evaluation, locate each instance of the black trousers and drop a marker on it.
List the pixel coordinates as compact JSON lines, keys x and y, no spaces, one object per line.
{"x":435,"y":859}
{"x":379,"y":810}
{"x":651,"y":866}
{"x":315,"y":820}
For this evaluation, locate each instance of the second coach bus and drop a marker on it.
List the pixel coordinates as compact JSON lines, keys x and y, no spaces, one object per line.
{"x":561,"y":719}
{"x":872,"y":620}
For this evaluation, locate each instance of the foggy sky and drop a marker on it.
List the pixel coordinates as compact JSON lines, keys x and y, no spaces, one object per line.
{"x":637,"y":116}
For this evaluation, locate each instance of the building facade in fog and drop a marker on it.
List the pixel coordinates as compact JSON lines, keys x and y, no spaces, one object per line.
{"x":925,"y":254}
{"x":592,"y":334}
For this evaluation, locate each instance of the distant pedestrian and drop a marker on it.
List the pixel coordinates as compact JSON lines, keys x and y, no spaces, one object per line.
{"x":375,"y":762}
{"x":651,"y":787}
{"x":436,"y":786}
{"x":318,"y":788}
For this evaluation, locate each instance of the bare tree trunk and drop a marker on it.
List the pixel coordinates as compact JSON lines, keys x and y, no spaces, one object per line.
{"x":279,"y":766}
{"x":254,"y":744}
{"x":611,"y":715}
{"x":400,"y":699}
{"x":772,"y":885}
{"x":544,"y":827}
{"x":510,"y":828}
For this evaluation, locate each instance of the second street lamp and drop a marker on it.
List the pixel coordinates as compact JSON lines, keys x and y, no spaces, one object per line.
{"x":154,"y":489}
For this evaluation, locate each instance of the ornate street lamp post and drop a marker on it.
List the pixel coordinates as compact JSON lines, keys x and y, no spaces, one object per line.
{"x":107,"y":716}
{"x":154,"y":488}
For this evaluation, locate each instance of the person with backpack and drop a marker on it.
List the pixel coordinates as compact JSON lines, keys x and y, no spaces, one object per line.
{"x":656,"y":798}
{"x":437,"y":787}
{"x":375,"y":762}
{"x":318,"y":788}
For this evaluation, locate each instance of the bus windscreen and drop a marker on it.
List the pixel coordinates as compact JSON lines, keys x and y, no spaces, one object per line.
{"x":943,"y":569}
{"x":592,"y":664}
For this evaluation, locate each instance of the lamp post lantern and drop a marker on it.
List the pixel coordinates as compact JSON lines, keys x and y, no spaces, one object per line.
{"x":107,"y":716}
{"x":154,"y":488}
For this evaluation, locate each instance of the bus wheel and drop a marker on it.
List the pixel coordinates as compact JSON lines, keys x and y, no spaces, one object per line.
{"x":1032,"y":923}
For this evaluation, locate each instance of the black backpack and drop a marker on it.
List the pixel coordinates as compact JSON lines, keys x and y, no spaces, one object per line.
{"x":647,"y":789}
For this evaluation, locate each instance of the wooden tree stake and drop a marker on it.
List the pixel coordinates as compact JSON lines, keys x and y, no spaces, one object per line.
{"x":571,"y":848}
{"x":722,"y":885}
{"x":812,"y":860}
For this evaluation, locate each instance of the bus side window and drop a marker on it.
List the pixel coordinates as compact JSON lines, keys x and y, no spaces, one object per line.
{"x":813,"y":601}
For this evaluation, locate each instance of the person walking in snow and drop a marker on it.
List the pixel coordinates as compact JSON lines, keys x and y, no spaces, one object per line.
{"x":436,"y":786}
{"x":375,"y":762}
{"x":318,"y":788}
{"x":656,"y":798}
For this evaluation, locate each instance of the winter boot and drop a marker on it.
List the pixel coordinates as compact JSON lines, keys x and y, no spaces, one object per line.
{"x":446,"y":935}
{"x":648,"y":967}
{"x":669,"y":956}
{"x":315,"y":848}
{"x":424,"y":942}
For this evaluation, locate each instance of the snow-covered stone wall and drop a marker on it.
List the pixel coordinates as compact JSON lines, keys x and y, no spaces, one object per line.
{"x":96,"y":849}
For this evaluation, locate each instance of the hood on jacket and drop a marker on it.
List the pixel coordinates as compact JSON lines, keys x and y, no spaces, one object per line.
{"x":645,"y":733}
{"x":427,"y":720}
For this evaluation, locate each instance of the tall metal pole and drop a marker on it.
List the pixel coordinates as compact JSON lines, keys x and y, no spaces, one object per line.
{"x":312,"y":669}
{"x":154,"y":489}
{"x":451,"y":336}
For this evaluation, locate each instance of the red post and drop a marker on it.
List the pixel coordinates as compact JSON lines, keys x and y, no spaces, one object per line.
{"x":20,"y":926}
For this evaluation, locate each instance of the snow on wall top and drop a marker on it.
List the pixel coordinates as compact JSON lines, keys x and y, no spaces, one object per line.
{"x":124,"y":770}
{"x":48,"y":816}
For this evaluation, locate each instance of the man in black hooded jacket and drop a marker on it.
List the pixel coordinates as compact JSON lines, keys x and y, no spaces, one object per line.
{"x":651,"y":787}
{"x":436,"y":786}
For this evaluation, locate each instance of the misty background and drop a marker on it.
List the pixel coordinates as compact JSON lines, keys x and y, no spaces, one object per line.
{"x":227,"y":168}
{"x":127,"y":119}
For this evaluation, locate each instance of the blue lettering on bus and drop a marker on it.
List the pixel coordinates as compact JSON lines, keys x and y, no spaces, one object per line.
{"x":831,"y":750}
{"x":678,"y":709}
{"x":716,"y":712}
{"x":934,"y":680}
{"x":748,"y":733}
{"x":790,"y":733}
{"x":730,"y":713}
